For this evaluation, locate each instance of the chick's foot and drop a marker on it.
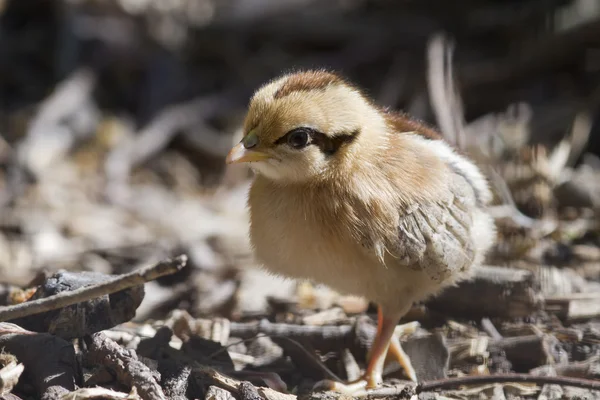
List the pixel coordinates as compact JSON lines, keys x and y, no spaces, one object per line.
{"x":385,"y":341}
{"x":358,"y":388}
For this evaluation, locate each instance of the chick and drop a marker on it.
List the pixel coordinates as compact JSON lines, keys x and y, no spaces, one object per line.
{"x":367,"y":201}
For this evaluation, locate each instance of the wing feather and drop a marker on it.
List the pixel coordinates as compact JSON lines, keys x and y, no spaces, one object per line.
{"x":435,"y":237}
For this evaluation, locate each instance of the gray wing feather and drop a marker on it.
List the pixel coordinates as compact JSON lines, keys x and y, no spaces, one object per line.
{"x":435,"y":237}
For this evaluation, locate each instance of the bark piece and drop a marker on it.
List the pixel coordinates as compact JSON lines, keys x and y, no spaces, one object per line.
{"x":216,"y":393}
{"x":491,"y":292}
{"x":9,"y":376}
{"x":574,"y":307}
{"x":429,"y":356}
{"x":50,"y":363}
{"x":129,"y":371}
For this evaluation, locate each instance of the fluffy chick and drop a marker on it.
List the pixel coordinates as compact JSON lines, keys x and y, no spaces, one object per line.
{"x":367,"y":201}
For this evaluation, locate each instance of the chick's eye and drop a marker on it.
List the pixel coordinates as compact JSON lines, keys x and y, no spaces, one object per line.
{"x":298,"y":138}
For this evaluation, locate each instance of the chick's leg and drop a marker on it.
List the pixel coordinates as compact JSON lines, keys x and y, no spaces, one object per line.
{"x":396,"y":351}
{"x":385,"y":332}
{"x":372,"y":378}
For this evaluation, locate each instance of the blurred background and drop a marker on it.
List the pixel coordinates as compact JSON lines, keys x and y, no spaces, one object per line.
{"x":116,"y":116}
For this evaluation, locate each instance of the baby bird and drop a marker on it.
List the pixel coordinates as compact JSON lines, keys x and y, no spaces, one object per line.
{"x":367,"y":201}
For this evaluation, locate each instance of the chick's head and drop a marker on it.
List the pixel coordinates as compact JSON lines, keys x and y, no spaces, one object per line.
{"x":303,"y":125}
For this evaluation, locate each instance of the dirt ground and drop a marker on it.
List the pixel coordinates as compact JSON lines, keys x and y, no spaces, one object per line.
{"x":116,"y":204}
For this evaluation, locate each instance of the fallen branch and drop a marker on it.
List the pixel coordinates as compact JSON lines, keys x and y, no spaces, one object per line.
{"x":505,"y":378}
{"x":406,"y":391}
{"x":121,"y":282}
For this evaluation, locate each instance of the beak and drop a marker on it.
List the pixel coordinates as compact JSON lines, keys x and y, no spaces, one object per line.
{"x":239,"y":154}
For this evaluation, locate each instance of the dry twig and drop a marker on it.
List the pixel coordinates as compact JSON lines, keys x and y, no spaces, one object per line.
{"x":505,"y":378}
{"x":121,"y":282}
{"x":405,"y":391}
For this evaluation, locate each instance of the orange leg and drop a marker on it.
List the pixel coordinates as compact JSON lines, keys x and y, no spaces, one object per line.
{"x":379,"y":349}
{"x":372,"y":377}
{"x":396,"y":351}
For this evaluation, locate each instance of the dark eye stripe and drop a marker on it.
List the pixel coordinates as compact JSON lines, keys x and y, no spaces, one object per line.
{"x":284,"y":139}
{"x":328,"y":145}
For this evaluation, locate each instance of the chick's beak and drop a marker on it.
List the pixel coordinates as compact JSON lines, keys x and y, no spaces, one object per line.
{"x":240,"y":154}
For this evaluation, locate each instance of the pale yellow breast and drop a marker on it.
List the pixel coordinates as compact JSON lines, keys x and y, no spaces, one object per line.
{"x":292,"y":241}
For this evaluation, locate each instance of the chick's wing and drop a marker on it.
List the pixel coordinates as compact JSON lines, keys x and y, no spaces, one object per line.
{"x":435,"y":237}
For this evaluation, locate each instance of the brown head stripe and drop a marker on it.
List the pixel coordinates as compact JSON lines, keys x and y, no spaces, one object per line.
{"x":306,"y":81}
{"x":328,"y":145}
